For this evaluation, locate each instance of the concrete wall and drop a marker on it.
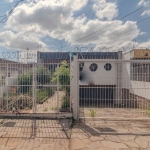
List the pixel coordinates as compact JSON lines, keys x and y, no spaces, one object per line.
{"x":100,"y":76}
{"x":3,"y":72}
{"x":3,"y":89}
{"x":11,"y":81}
{"x":138,"y":88}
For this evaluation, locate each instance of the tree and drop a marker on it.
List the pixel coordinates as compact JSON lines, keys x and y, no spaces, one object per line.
{"x":43,"y":76}
{"x":63,"y":75}
{"x":25,"y":81}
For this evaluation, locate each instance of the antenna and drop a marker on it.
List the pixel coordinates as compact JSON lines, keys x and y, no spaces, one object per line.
{"x":27,"y":53}
{"x":134,"y":41}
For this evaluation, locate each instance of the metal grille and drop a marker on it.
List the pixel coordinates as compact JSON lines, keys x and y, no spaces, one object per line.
{"x":112,"y":93}
{"x":42,"y":88}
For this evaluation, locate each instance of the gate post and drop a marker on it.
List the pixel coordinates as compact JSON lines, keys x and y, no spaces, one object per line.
{"x":34,"y":89}
{"x":76,"y":88}
{"x":119,"y":81}
{"x":7,"y":88}
{"x":58,"y":89}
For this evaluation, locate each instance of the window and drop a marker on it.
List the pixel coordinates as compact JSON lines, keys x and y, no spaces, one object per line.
{"x":108,"y":67}
{"x":93,"y":67}
{"x":140,"y":72}
{"x":81,"y":66}
{"x":9,"y":74}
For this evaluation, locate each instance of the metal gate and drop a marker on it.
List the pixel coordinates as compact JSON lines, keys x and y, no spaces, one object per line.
{"x":35,"y":90}
{"x":111,"y":88}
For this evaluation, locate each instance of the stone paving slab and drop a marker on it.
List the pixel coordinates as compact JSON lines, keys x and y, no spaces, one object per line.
{"x":48,"y":135}
{"x":110,"y":135}
{"x":85,"y":135}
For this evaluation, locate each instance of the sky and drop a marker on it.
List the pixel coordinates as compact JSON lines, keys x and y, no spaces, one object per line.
{"x":60,"y":25}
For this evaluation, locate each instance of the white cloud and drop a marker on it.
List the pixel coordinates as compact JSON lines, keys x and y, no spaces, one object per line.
{"x":143,"y":33}
{"x":146,"y":12}
{"x":105,"y":10}
{"x":117,"y":33}
{"x":9,"y":1}
{"x":33,"y":21}
{"x":145,"y":44}
{"x":142,"y":3}
{"x":9,"y":39}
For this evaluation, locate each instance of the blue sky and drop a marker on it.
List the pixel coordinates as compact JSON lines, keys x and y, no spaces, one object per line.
{"x":51,"y":24}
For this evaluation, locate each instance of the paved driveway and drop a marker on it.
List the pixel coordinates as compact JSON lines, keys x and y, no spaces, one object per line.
{"x":111,"y":135}
{"x":90,"y":134}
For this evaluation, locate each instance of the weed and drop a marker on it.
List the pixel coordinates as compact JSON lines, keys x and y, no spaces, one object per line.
{"x":65,"y":102}
{"x":92,"y":112}
{"x":1,"y":122}
{"x":54,"y":108}
{"x":148,"y":111}
{"x":27,"y":108}
{"x":45,"y":109}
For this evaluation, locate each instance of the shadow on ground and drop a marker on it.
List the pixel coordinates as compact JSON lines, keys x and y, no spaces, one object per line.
{"x":42,"y":128}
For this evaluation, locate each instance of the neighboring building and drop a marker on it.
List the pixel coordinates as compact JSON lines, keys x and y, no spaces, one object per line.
{"x":90,"y":81}
{"x":136,"y":81}
{"x":9,"y":71}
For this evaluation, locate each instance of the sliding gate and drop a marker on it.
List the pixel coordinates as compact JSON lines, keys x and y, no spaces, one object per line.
{"x":111,"y":88}
{"x":34,"y":90}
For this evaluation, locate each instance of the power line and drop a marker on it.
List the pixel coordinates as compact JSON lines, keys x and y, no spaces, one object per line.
{"x":124,"y":28}
{"x":10,"y":12}
{"x":109,"y":24}
{"x":8,"y":3}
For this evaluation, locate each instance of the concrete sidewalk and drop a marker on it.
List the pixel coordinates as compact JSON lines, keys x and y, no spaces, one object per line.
{"x":84,"y":135}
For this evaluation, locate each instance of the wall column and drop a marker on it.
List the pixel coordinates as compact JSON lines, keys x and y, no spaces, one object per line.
{"x":118,"y":98}
{"x":75,"y":88}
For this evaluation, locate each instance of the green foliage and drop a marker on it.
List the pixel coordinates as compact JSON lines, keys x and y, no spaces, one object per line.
{"x":54,"y":108}
{"x":42,"y":94}
{"x":148,"y":111}
{"x":1,"y":122}
{"x":25,"y":79}
{"x":4,"y":95}
{"x":45,"y":109}
{"x":27,"y":108}
{"x":63,"y":73}
{"x":92,"y":112}
{"x":43,"y":75}
{"x":65,"y":102}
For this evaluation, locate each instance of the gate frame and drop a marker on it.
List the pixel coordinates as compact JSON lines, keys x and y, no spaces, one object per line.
{"x":34,"y":114}
{"x":76,"y":61}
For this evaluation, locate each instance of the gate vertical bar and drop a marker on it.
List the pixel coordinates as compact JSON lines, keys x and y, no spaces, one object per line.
{"x":76,"y":88}
{"x":34,"y":100}
{"x":7,"y":87}
{"x":34,"y":89}
{"x":58,"y":89}
{"x":119,"y":81}
{"x":70,"y":83}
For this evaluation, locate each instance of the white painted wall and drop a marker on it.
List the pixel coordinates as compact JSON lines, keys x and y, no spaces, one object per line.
{"x":136,"y":87}
{"x":11,"y":81}
{"x":3,"y":89}
{"x":141,"y":88}
{"x":126,"y":83}
{"x":100,"y":76}
{"x":13,"y":73}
